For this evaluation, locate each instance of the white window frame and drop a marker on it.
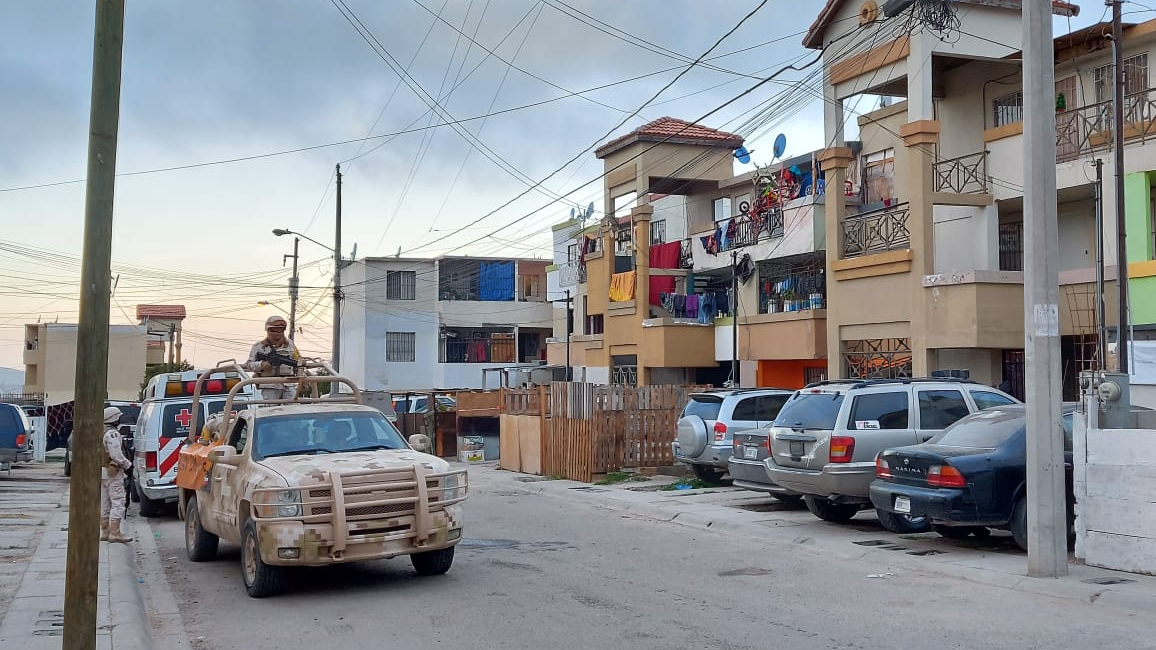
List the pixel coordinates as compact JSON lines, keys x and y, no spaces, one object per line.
{"x":721,"y":209}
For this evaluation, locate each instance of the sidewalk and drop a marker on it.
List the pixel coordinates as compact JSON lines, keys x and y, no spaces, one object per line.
{"x":759,"y":517}
{"x":35,"y":618}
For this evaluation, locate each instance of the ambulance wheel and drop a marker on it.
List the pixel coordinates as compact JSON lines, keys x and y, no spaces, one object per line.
{"x":148,"y":507}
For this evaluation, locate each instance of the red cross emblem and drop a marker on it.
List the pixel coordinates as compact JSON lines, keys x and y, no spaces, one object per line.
{"x":183,"y":418}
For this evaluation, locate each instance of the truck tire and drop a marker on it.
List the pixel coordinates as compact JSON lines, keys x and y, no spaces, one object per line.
{"x":261,"y":580}
{"x":433,"y":563}
{"x":707,"y":474}
{"x":835,"y":512}
{"x":200,"y":544}
{"x":148,"y":507}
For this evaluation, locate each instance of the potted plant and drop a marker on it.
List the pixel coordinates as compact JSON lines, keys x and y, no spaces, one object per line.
{"x":1061,"y":102}
{"x":789,"y":300}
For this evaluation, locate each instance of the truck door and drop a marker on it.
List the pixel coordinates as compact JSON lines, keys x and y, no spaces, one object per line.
{"x":224,"y":490}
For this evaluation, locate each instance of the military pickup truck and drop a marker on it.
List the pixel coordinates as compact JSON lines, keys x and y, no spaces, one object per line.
{"x":312,"y":481}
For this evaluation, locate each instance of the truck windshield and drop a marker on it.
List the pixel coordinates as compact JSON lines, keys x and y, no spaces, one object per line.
{"x":323,"y":433}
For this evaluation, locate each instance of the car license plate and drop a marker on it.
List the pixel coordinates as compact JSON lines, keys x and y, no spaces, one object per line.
{"x":903,"y":505}
{"x":797,"y":448}
{"x":750,"y":452}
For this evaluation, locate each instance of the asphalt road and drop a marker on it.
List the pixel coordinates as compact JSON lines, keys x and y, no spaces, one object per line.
{"x":536,"y":572}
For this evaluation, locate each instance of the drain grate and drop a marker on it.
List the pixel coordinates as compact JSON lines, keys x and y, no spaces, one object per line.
{"x":49,"y":623}
{"x":926,"y":553}
{"x":1108,"y":580}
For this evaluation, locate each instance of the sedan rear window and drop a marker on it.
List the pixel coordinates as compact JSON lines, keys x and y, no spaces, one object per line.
{"x":811,"y":411}
{"x":704,"y":406}
{"x":984,"y":430}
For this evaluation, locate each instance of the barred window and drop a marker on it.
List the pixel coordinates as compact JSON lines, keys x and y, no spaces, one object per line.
{"x":401,"y":285}
{"x":1008,"y":109}
{"x":1135,"y":78}
{"x":400,"y":347}
{"x":658,"y":232}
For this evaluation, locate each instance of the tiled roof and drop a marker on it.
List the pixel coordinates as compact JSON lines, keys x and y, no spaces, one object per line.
{"x":675,"y":131}
{"x":814,"y":37}
{"x":174,"y":312}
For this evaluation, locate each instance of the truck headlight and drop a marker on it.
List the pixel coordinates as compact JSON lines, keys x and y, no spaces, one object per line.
{"x":450,"y":484}
{"x":288,"y":503}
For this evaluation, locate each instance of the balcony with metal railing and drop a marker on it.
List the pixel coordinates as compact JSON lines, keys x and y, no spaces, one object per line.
{"x":876,"y":232}
{"x":962,"y":175}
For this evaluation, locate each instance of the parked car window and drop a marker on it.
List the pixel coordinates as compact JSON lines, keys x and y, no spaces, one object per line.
{"x":768,"y":406}
{"x":811,"y":411}
{"x":704,"y":406}
{"x":983,"y":430}
{"x":747,"y":410}
{"x":985,"y":399}
{"x":939,"y":409}
{"x":879,"y":411}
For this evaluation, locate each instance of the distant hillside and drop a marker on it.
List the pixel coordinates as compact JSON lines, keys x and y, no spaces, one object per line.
{"x":11,"y":380}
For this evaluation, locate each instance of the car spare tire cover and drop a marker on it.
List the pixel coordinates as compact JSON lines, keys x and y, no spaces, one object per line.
{"x":692,"y":435}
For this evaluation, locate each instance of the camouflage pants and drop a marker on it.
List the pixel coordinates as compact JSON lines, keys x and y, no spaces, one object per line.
{"x":282,"y":391}
{"x":112,"y":502}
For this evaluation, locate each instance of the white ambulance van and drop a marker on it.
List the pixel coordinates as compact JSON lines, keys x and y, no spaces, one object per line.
{"x":163,"y":428}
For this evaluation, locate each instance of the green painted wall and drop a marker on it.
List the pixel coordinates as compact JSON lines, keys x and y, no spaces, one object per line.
{"x":1138,"y":221}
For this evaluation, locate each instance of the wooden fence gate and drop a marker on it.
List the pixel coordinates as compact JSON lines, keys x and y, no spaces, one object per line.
{"x":595,"y":429}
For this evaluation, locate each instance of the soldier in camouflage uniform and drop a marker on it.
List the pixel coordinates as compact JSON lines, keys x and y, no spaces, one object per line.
{"x":274,"y":341}
{"x":112,"y":494}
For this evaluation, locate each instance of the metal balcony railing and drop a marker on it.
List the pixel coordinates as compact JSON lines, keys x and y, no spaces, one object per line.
{"x":1084,"y":130}
{"x":875,"y":232}
{"x":963,"y":175}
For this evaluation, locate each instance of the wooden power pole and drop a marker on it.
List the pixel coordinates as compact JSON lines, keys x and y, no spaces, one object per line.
{"x":92,"y":332}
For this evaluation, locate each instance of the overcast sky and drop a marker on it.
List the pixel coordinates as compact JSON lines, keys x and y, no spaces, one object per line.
{"x":221,"y":79}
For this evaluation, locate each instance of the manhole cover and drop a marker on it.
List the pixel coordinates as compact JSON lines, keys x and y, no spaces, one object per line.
{"x":1108,"y":580}
{"x":925,"y":553}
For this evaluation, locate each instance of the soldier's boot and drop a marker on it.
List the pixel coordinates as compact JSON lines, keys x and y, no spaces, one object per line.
{"x":104,"y":529}
{"x":114,"y":534}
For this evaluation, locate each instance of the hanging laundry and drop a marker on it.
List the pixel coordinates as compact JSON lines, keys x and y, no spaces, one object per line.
{"x":666,"y":300}
{"x":665,"y":256}
{"x":680,"y":305}
{"x":726,"y":234}
{"x":622,"y":286}
{"x":707,"y":309}
{"x":710,"y":243}
{"x":692,"y":305}
{"x":660,"y":285}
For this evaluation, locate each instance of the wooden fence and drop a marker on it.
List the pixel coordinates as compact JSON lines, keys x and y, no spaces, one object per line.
{"x":596,"y":429}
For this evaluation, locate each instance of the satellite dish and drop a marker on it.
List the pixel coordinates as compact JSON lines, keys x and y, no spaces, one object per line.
{"x":571,"y":214}
{"x":590,"y":209}
{"x":780,"y":145}
{"x":353,"y":255}
{"x":742,"y":155}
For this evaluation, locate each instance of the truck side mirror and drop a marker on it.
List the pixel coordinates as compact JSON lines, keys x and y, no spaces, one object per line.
{"x":225,"y":455}
{"x":419,"y":442}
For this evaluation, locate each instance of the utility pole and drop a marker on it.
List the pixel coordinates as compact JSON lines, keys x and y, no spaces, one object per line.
{"x":172,"y":342}
{"x":294,"y":283}
{"x":1101,"y":331}
{"x":1121,"y":230}
{"x":80,"y":582}
{"x":337,"y":281}
{"x":569,"y":331}
{"x":1046,"y":508}
{"x":734,"y":319}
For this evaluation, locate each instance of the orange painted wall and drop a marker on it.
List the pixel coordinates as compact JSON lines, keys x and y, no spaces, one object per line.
{"x":786,"y":374}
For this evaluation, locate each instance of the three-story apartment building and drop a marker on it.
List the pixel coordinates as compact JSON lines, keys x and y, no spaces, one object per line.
{"x":413,"y":324}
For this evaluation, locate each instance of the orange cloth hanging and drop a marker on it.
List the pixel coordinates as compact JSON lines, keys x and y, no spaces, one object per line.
{"x":622,"y":286}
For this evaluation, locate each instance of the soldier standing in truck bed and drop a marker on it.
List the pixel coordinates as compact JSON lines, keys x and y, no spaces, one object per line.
{"x":274,"y":341}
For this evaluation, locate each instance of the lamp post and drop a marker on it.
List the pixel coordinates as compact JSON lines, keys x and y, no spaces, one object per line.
{"x":280,"y":232}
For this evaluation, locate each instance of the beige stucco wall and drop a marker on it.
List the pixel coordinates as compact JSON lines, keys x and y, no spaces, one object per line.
{"x":794,"y":335}
{"x":56,"y":376}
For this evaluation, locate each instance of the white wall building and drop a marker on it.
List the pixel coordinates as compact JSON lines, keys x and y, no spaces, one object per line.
{"x":413,"y":324}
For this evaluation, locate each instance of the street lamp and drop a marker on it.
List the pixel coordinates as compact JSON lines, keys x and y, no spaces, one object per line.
{"x":280,"y":232}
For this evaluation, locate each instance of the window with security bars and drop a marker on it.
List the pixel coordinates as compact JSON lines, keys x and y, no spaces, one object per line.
{"x":400,"y":347}
{"x":1008,"y":109}
{"x":1011,"y":246}
{"x":814,"y":375}
{"x":877,"y":358}
{"x":1135,"y":78}
{"x":401,"y":285}
{"x":658,"y":232}
{"x":624,"y":370}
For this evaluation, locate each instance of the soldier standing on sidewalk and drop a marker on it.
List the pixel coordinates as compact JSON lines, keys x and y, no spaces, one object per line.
{"x":112,"y":493}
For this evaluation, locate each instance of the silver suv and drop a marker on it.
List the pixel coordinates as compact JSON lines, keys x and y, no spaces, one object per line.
{"x":826,"y":438}
{"x":709,"y":421}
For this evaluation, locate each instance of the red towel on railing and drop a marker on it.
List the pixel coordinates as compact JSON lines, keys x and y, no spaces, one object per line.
{"x":660,"y":284}
{"x":665,"y":256}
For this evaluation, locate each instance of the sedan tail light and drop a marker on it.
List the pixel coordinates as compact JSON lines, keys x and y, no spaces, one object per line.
{"x":720,"y":431}
{"x":882,"y":469}
{"x":945,"y":476}
{"x":842,"y":449}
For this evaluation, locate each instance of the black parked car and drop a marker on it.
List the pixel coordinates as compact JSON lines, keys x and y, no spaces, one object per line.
{"x":971,"y":477}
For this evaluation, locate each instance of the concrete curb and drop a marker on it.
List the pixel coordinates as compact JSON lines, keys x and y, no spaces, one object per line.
{"x":834,"y":542}
{"x":131,"y":628}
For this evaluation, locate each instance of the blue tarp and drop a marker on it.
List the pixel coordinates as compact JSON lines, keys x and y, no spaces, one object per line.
{"x":496,"y":281}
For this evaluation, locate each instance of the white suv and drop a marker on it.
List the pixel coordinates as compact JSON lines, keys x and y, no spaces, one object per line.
{"x":826,"y":438}
{"x":709,"y":421}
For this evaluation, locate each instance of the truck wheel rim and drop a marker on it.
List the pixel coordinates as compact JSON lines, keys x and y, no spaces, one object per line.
{"x":249,"y":558}
{"x":191,"y":528}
